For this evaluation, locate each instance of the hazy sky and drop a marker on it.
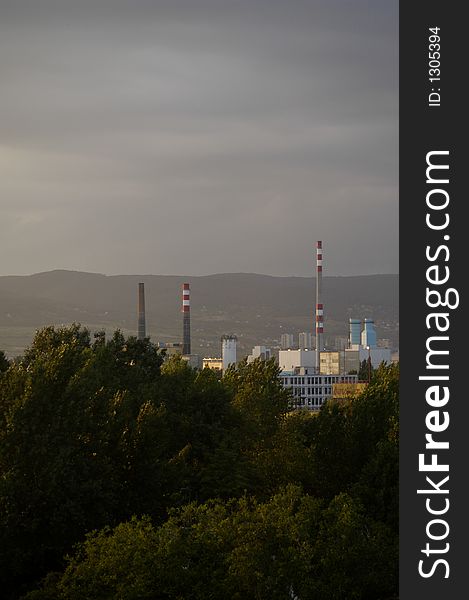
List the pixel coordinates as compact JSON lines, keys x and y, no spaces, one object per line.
{"x":196,"y":137}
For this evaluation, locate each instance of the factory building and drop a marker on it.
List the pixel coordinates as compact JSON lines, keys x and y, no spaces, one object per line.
{"x":363,"y":345}
{"x":216,"y":364}
{"x":355,"y":326}
{"x":354,"y":358}
{"x":193,"y":360}
{"x":312,"y":374}
{"x":331,"y":363}
{"x":347,"y":391}
{"x":351,"y":360}
{"x":259,"y":352}
{"x":170,"y":348}
{"x":176,"y":349}
{"x":310,"y":389}
{"x":375,"y":355}
{"x":228,"y":355}
{"x":368,"y":337}
{"x":288,"y":360}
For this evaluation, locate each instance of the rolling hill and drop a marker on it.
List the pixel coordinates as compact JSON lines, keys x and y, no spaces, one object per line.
{"x":258,"y":308}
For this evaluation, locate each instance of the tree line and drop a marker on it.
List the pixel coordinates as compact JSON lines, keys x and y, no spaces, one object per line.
{"x":126,"y":476}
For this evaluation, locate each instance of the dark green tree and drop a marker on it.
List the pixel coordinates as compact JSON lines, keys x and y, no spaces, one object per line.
{"x":365,"y":371}
{"x":353,"y":556}
{"x":348,"y":434}
{"x":67,"y":412}
{"x":292,"y":546}
{"x":245,"y":499}
{"x":236,"y":549}
{"x":4,"y":362}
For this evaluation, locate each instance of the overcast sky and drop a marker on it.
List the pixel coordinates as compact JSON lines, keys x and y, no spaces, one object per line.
{"x":196,"y":137}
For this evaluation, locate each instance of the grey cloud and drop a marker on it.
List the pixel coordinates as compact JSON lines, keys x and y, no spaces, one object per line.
{"x":196,"y":137}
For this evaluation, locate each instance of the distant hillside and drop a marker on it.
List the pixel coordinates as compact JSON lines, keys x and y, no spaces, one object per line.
{"x":258,"y":308}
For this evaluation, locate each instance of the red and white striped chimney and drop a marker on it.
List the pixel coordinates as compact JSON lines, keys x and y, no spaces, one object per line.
{"x":319,"y":304}
{"x":186,"y":319}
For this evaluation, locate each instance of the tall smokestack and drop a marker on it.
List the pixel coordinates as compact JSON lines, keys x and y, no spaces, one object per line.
{"x":319,"y":305}
{"x":141,"y":335}
{"x":186,"y":319}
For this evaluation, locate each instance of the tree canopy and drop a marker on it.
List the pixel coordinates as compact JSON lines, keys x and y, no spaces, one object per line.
{"x":126,"y":476}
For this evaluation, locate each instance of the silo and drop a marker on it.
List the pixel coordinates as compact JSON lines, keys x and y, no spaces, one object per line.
{"x":369,"y":334}
{"x":354,"y":332}
{"x":228,"y":350}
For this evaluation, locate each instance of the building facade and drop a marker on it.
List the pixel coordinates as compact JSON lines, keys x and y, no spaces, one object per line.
{"x":288,"y":360}
{"x":259,"y":352}
{"x":216,"y":364}
{"x":310,"y":389}
{"x":331,"y":362}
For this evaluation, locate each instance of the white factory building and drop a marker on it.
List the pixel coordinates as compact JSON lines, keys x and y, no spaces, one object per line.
{"x":259,"y":352}
{"x":310,"y":388}
{"x":288,"y":360}
{"x":311,"y":384}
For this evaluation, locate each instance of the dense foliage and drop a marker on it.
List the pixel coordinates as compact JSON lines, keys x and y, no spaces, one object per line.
{"x":123,"y":476}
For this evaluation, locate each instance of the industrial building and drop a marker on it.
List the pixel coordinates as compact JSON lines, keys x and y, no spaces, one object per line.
{"x":311,"y":374}
{"x":228,"y":355}
{"x":170,"y":348}
{"x":300,"y":369}
{"x":289,"y":359}
{"x":310,"y":389}
{"x":216,"y":364}
{"x":193,"y":360}
{"x":332,"y":363}
{"x":347,"y":391}
{"x":259,"y":352}
{"x":363,"y":345}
